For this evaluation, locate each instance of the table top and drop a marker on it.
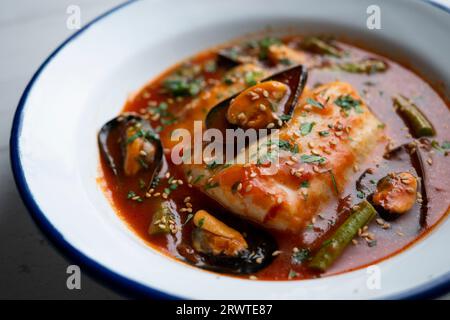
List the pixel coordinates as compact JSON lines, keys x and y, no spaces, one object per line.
{"x":30,"y":267}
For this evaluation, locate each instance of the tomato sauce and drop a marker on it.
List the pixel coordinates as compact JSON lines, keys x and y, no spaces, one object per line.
{"x":377,"y":89}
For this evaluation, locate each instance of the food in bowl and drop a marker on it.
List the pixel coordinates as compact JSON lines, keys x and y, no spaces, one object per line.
{"x":280,"y":158}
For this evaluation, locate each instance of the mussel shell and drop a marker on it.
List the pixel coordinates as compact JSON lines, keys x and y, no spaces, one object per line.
{"x":260,"y":245}
{"x":114,"y":132}
{"x":295,"y":77}
{"x":397,"y":160}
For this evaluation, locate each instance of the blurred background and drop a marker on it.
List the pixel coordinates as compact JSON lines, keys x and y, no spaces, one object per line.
{"x":30,"y":267}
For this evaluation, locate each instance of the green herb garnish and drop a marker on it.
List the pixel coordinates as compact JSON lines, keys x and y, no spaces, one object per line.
{"x":347,"y":102}
{"x":292,"y":274}
{"x":306,"y":128}
{"x":315,"y":103}
{"x":300,"y":256}
{"x":333,"y":181}
{"x":306,"y":158}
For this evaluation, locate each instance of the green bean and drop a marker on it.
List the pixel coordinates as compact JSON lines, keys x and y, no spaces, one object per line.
{"x":162,"y":219}
{"x":318,"y":45}
{"x":368,"y":66}
{"x":413,"y":117}
{"x":333,"y":247}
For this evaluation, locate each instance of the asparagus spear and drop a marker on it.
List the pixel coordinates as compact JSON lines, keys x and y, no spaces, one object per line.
{"x":332,"y":248}
{"x":414,"y":118}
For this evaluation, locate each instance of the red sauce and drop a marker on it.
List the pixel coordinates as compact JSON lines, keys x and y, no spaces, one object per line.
{"x":376,"y":90}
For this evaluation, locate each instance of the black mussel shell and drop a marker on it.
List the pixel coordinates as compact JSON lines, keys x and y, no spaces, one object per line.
{"x":295,"y":77}
{"x":113,"y":132}
{"x":258,"y":255}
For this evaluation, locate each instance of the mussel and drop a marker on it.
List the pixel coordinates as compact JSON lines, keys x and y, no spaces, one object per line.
{"x":224,"y":249}
{"x":129,"y":145}
{"x":268,"y":104}
{"x":403,"y":162}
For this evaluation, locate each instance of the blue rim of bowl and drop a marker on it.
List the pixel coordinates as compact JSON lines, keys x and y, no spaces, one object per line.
{"x":433,"y":288}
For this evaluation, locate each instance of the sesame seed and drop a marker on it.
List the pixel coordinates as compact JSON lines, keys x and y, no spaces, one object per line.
{"x":239,"y":187}
{"x":276,"y":253}
{"x":430,"y":161}
{"x":279,"y":200}
{"x":298,"y":173}
{"x":248,"y":188}
{"x":253,"y":278}
{"x":262,"y":107}
{"x":253,"y":174}
{"x":266,"y":93}
{"x":270,"y":125}
{"x":167,"y":176}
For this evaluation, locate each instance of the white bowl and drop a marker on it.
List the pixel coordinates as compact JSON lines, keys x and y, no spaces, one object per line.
{"x":86,"y":82}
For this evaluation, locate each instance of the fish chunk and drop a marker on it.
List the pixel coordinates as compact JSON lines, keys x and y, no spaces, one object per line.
{"x":330,"y":132}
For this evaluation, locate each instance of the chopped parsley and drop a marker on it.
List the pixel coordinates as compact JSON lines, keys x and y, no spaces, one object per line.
{"x":360,"y":194}
{"x":201,"y":222}
{"x":285,"y":117}
{"x":250,"y":77}
{"x":182,"y":86}
{"x":333,"y":181}
{"x":441,"y":148}
{"x":300,"y":256}
{"x":265,"y":44}
{"x":306,"y":128}
{"x":133,"y":196}
{"x":306,"y":158}
{"x":324,"y":133}
{"x":285,"y":145}
{"x":347,"y":102}
{"x":211,"y":185}
{"x":304,"y":184}
{"x":315,"y":103}
{"x":292,"y":274}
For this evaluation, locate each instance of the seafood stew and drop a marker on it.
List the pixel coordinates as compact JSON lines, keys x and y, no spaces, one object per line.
{"x":348,"y":163}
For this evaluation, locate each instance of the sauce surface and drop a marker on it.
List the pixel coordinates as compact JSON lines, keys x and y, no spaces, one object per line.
{"x":387,"y":237}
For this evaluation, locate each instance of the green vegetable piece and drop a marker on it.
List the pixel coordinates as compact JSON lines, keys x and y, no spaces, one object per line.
{"x":368,"y":66}
{"x":332,"y":248}
{"x":162,"y":219}
{"x":317,"y":45}
{"x":413,"y":117}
